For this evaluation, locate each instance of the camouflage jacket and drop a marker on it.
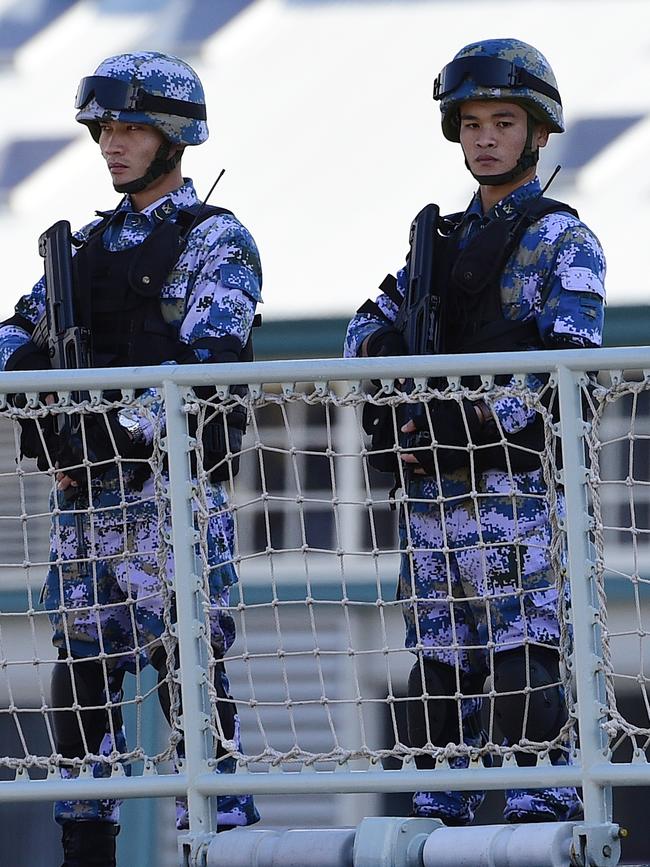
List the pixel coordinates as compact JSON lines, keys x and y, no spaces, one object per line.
{"x":212,"y":290}
{"x":558,"y":259}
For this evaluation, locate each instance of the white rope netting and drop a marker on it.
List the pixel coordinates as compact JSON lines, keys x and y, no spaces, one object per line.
{"x":318,"y":669}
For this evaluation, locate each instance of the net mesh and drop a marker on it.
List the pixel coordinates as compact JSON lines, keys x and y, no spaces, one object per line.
{"x":318,"y":668}
{"x":617,"y":441}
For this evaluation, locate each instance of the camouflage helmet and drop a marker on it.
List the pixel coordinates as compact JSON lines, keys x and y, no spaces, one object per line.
{"x":505,"y":69}
{"x":148,"y":88}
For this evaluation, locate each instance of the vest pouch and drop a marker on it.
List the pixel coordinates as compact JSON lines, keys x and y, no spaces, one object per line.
{"x":477,"y":265}
{"x":156,"y":341}
{"x":154,"y":259}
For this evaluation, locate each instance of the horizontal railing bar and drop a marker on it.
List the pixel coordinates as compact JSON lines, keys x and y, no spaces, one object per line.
{"x":325,"y":782}
{"x":333,"y":369}
{"x":357,"y":782}
{"x":150,"y":786}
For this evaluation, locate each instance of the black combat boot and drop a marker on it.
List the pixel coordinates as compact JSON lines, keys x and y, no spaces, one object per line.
{"x":89,"y":844}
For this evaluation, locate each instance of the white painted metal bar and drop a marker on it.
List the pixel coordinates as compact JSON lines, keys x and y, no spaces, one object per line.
{"x":327,"y":782}
{"x":329,"y":369}
{"x":193,"y":672}
{"x":586,"y":661}
{"x":323,"y":847}
{"x":545,"y":845}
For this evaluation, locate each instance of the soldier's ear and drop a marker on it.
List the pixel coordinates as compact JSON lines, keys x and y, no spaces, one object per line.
{"x":175,"y":150}
{"x":541,"y":135}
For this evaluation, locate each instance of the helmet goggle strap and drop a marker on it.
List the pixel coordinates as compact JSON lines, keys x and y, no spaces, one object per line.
{"x":490,"y":72}
{"x":161,"y":164}
{"x":117,"y":95}
{"x":527,"y":159}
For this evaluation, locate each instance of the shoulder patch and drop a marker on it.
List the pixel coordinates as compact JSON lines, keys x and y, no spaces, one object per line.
{"x":239,"y":277}
{"x":582,"y":280}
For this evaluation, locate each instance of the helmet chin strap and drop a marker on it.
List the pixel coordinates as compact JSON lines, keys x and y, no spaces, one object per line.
{"x":161,"y":164}
{"x":527,"y":159}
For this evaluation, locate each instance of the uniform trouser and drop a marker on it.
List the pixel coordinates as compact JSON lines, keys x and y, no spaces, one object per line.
{"x":477,"y":581}
{"x":113,"y":609}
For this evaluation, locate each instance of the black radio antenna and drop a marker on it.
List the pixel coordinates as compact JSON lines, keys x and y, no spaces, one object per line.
{"x":527,"y":208}
{"x":548,"y":182}
{"x":202,"y":205}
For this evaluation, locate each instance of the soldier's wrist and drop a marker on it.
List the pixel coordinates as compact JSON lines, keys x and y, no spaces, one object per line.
{"x":483,"y":412}
{"x":131,"y":426}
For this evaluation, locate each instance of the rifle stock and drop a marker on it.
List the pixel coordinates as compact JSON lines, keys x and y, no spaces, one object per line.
{"x":67,"y":342}
{"x":421,"y":309}
{"x":419,"y":322}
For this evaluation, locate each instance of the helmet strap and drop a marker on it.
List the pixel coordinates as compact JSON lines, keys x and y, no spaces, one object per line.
{"x":527,"y":159}
{"x":161,"y":164}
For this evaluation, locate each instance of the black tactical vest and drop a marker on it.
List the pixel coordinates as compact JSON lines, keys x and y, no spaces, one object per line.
{"x":467,"y":282}
{"x":475,"y":321}
{"x":473,"y":318}
{"x":118,"y":294}
{"x":118,"y":300}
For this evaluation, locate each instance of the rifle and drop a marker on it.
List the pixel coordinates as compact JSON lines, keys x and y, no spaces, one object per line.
{"x":418,"y":320}
{"x":419,"y":317}
{"x":67,"y":342}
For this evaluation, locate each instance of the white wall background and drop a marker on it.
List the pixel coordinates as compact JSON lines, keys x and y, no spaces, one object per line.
{"x":322,"y":115}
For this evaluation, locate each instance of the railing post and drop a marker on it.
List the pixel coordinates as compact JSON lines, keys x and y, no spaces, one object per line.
{"x":596,"y":841}
{"x":187,"y":583}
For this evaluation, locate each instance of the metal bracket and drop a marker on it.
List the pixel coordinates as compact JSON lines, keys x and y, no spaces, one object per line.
{"x":387,"y":842}
{"x":193,"y":849}
{"x":596,"y":845}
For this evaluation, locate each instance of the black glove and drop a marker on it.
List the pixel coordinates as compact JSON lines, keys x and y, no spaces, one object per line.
{"x":217,"y":442}
{"x":386,"y":341}
{"x":449,"y":428}
{"x":105,"y":439}
{"x":32,"y":445}
{"x":39,"y":440}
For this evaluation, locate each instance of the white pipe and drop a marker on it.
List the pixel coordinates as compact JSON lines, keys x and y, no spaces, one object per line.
{"x":324,"y":847}
{"x":536,"y":845}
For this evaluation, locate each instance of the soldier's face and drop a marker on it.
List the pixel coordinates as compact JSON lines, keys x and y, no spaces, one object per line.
{"x":128,"y":149}
{"x":493,"y":134}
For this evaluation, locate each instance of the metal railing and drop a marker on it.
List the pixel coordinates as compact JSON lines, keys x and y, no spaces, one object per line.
{"x":592,"y":770}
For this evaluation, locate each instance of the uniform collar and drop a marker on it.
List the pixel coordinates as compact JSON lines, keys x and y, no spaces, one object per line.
{"x":164,"y":207}
{"x":509,"y":205}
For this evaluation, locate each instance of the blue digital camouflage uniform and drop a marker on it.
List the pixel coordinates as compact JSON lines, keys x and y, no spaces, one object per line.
{"x":212,"y":291}
{"x":500,"y":541}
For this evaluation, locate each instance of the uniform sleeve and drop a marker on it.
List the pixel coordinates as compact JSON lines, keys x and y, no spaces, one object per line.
{"x":574,"y":311}
{"x":570,"y":277}
{"x":371,"y":316}
{"x":224,"y":283}
{"x":217,"y":284}
{"x":15,"y":333}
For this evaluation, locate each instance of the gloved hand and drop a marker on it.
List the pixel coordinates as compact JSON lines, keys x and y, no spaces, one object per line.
{"x":386,"y":341}
{"x":449,"y":428}
{"x":29,"y":356}
{"x":39,"y":440}
{"x":105,"y":440}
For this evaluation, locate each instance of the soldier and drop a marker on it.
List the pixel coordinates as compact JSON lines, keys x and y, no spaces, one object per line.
{"x":536,"y":281}
{"x":196,"y":304}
